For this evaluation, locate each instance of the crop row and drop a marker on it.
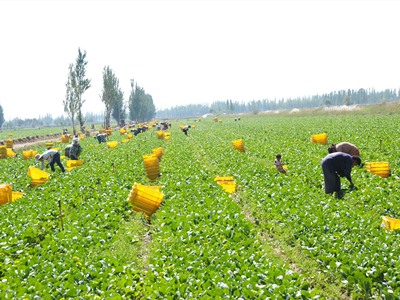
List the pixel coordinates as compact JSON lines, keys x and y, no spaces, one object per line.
{"x":38,"y":259}
{"x":343,"y":235}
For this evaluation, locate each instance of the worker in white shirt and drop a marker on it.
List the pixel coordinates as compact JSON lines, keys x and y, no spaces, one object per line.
{"x":186,"y":128}
{"x":52,"y":157}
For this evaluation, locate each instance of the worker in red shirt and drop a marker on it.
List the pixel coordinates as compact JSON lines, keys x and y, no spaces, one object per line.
{"x":345,"y":148}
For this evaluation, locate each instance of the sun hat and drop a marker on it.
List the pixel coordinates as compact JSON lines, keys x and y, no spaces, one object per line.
{"x":37,"y":156}
{"x":75,"y":140}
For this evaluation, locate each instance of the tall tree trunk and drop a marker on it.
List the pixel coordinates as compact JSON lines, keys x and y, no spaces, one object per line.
{"x":73,"y":124}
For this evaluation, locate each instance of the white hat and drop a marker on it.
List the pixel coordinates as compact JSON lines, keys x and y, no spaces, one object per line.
{"x":75,"y":140}
{"x":37,"y":156}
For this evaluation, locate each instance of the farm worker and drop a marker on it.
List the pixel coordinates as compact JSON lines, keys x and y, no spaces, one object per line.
{"x":345,"y":148}
{"x":186,"y":128}
{"x":52,"y":157}
{"x":239,"y":118}
{"x":335,"y":165}
{"x":76,"y":149}
{"x":102,"y":137}
{"x":279,"y":164}
{"x":235,"y":119}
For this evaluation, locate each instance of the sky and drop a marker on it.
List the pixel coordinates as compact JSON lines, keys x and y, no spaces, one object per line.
{"x":184,"y":52}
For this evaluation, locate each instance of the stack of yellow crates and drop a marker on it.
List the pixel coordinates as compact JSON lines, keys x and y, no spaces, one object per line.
{"x":3,"y":152}
{"x":379,"y":168}
{"x":145,"y":199}
{"x":239,"y":145}
{"x":152,"y":166}
{"x":9,"y":144}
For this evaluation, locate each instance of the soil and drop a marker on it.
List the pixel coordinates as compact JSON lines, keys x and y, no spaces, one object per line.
{"x":34,"y":141}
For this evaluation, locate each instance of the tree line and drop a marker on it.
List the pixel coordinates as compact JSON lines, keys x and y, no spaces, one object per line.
{"x":140,"y":105}
{"x":336,"y":98}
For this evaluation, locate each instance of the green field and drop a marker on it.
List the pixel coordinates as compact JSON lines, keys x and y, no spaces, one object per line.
{"x":277,"y":237}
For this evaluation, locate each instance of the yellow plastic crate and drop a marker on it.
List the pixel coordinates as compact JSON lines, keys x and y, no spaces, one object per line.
{"x":11,"y":153}
{"x":112,"y":144}
{"x":106,"y":131}
{"x":37,"y":174}
{"x":65,"y":139}
{"x":5,"y":193}
{"x":9,"y":143}
{"x":390,"y":224}
{"x":124,"y":141}
{"x":130,"y":136}
{"x":378,"y":168}
{"x":57,"y":148}
{"x":158,"y":152}
{"x":49,"y":144}
{"x":74,"y":163}
{"x":3,"y":152}
{"x":160,"y":135}
{"x":228,"y":186}
{"x":145,"y":199}
{"x":320,"y":139}
{"x":16,"y":196}
{"x":81,"y":138}
{"x":239,"y":145}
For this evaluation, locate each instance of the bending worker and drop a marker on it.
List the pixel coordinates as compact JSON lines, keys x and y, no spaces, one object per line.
{"x":52,"y":157}
{"x":335,"y":165}
{"x":102,"y":137}
{"x":186,"y":128}
{"x":345,"y":148}
{"x":75,"y":150}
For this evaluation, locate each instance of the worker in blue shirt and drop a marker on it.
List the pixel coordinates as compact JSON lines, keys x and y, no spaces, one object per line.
{"x":335,"y":165}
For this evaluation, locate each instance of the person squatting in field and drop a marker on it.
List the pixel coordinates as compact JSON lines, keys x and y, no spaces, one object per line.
{"x":186,"y":128}
{"x":279,"y":164}
{"x":335,"y":165}
{"x":52,"y":157}
{"x":75,"y":150}
{"x":345,"y":148}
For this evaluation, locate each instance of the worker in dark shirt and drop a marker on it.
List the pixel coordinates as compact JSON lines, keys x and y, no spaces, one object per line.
{"x":335,"y":165}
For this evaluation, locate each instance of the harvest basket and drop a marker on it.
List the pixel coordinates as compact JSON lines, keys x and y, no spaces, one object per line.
{"x":9,"y":143}
{"x":71,"y":164}
{"x":16,"y":196}
{"x":158,"y":152}
{"x":239,"y":145}
{"x":5,"y":193}
{"x":3,"y":152}
{"x":390,"y":224}
{"x":320,"y":139}
{"x":160,"y":135}
{"x":112,"y":144}
{"x":65,"y":139}
{"x":379,"y":168}
{"x":151,"y":166}
{"x":145,"y":199}
{"x":11,"y":153}
{"x":227,"y":184}
{"x":38,"y":176}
